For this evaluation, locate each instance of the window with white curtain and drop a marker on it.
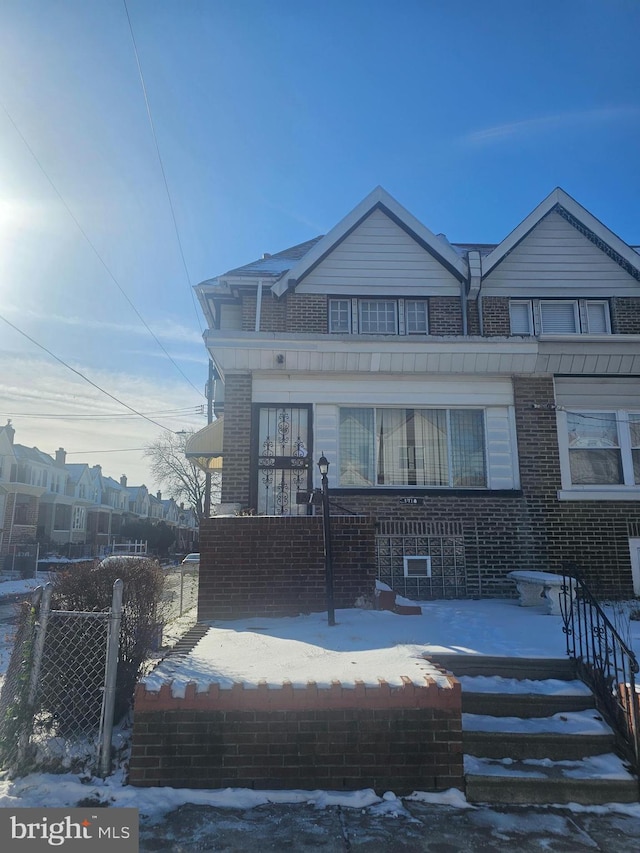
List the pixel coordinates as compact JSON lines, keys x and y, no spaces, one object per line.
{"x":604,"y":448}
{"x":412,"y":447}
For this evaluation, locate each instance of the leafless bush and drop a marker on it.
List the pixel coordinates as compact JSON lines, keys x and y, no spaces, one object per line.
{"x":90,"y":589}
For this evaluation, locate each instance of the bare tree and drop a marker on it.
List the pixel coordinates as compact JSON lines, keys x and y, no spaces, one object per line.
{"x":173,"y":471}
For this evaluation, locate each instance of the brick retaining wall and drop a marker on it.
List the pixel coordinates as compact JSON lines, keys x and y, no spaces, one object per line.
{"x":338,"y":738}
{"x":274,"y":566}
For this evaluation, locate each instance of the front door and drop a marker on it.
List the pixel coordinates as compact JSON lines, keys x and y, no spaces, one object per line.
{"x":284,"y":455}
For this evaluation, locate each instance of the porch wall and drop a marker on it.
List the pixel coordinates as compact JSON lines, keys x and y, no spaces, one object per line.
{"x":339,"y":738}
{"x":274,"y":566}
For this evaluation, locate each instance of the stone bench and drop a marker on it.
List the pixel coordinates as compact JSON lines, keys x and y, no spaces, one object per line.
{"x":536,"y":588}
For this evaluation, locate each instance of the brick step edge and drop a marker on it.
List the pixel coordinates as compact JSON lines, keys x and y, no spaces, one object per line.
{"x":518,"y":789}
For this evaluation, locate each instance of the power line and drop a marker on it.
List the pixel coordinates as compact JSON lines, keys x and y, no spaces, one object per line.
{"x":168,"y":413}
{"x":117,"y":450}
{"x":94,"y":249}
{"x":81,"y":375}
{"x":162,"y":169}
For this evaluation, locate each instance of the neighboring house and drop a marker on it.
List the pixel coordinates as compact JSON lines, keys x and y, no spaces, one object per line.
{"x":24,"y":477}
{"x":139,"y":504}
{"x":480,"y":402}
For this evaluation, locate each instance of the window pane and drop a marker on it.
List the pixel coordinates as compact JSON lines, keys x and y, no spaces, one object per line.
{"x":357,"y":466}
{"x":558,"y":317}
{"x":339,"y":315}
{"x":594,"y":454}
{"x":595,"y":467}
{"x":520,"y":318}
{"x":597,"y":313}
{"x":467,"y":448}
{"x":412,"y":447}
{"x":378,"y":317}
{"x":416,"y":317}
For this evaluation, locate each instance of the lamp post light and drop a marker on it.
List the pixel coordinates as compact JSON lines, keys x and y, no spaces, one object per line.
{"x":323,"y":467}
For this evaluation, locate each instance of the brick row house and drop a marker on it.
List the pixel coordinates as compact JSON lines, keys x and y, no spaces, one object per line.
{"x":481,"y":403}
{"x":46,"y":499}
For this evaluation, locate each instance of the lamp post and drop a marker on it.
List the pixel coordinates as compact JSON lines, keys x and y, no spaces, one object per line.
{"x":323,"y":467}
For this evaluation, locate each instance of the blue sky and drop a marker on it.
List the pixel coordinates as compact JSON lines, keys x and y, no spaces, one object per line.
{"x":273,"y":120}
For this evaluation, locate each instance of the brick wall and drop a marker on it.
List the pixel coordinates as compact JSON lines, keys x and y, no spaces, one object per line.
{"x":272,"y":312}
{"x":495,"y":316}
{"x":274,"y":566}
{"x":473,"y":317}
{"x":338,"y":738}
{"x":445,"y":315}
{"x":625,"y":315}
{"x":307,"y":313}
{"x":237,"y":439}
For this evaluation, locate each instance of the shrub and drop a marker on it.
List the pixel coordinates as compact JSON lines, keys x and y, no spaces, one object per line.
{"x":89,"y":588}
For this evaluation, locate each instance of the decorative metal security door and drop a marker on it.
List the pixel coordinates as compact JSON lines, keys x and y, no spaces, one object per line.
{"x":283,"y":459}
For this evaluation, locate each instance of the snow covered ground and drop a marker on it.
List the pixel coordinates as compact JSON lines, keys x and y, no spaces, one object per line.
{"x":365,"y":644}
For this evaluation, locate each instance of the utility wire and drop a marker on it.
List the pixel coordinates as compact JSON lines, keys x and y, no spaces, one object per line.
{"x":118,"y":450}
{"x":94,"y":249}
{"x":169,"y":413}
{"x":162,"y":169}
{"x":81,"y":375}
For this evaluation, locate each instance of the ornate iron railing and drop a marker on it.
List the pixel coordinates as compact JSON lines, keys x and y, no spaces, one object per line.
{"x":604,"y":661}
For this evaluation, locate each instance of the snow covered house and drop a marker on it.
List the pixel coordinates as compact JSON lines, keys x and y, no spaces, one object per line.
{"x":481,"y":403}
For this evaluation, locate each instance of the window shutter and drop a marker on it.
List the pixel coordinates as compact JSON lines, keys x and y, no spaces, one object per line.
{"x":558,"y":317}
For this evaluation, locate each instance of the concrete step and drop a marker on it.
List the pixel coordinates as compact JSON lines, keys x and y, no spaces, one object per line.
{"x":592,"y":781}
{"x":522,"y":705}
{"x":506,"y":667}
{"x":520,"y":746}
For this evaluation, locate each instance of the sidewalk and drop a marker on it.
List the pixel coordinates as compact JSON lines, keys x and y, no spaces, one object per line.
{"x":417,"y":827}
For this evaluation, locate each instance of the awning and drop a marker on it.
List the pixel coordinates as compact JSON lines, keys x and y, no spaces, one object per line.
{"x":205,"y":447}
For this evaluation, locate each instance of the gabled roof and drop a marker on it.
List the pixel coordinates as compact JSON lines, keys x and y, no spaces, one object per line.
{"x":32,"y":454}
{"x":379,"y":199}
{"x":561,"y":202}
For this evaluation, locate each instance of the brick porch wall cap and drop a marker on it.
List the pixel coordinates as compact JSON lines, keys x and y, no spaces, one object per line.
{"x":288,"y":697}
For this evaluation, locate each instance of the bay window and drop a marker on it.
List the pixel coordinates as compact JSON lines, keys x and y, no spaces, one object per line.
{"x":412,"y":447}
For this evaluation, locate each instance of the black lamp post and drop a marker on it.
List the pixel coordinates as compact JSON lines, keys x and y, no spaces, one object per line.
{"x":323,"y":467}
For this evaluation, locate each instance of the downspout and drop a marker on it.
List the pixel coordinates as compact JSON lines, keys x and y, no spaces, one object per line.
{"x":475,"y":281}
{"x":258,"y":304}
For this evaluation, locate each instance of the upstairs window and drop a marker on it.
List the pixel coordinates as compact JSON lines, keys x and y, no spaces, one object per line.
{"x":379,"y":316}
{"x":559,"y":317}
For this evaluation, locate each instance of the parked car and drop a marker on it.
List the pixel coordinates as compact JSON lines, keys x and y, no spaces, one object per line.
{"x":191,"y":561}
{"x":119,"y":559}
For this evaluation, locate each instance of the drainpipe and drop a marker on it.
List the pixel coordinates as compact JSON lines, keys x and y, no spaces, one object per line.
{"x":258,"y":305}
{"x":475,"y":283}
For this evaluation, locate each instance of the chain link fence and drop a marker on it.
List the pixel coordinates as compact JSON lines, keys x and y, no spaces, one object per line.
{"x":56,"y":704}
{"x":180,"y":594}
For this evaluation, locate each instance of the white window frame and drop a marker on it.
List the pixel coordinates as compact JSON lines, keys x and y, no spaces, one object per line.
{"x":407,"y":560}
{"x":626,"y":490}
{"x":393,"y":303}
{"x":401,"y":306}
{"x":527,"y":304}
{"x":580,"y":309}
{"x":349,"y":325}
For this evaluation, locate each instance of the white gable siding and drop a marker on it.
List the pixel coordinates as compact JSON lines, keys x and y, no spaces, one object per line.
{"x":555,"y":259}
{"x":380,"y":258}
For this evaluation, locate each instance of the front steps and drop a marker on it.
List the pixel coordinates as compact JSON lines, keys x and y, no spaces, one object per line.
{"x":531,"y":734}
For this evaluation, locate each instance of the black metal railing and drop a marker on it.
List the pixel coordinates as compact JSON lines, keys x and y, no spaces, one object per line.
{"x":604,"y":661}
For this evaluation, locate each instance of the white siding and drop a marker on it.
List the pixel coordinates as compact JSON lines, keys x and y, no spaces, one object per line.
{"x":582,"y":392}
{"x":380,"y":258}
{"x":555,"y":259}
{"x":384,"y":391}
